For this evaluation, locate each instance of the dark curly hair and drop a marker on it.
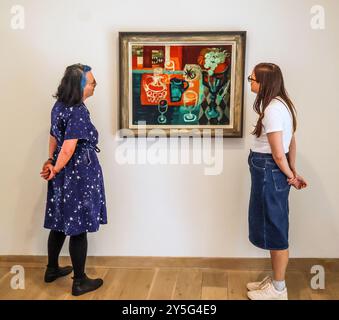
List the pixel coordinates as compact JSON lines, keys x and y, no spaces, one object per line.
{"x":70,"y":90}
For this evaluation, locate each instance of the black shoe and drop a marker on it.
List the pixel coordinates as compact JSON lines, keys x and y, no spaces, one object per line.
{"x":84,"y":285}
{"x":52,"y":274}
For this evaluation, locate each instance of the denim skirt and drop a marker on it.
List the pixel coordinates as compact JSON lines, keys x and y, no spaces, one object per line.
{"x":268,"y":208}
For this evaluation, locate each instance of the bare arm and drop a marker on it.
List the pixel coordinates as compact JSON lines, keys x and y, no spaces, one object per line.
{"x":287,"y":166}
{"x":52,"y":145}
{"x":276,"y":142}
{"x":292,"y":154}
{"x":45,"y":171}
{"x":66,"y":152}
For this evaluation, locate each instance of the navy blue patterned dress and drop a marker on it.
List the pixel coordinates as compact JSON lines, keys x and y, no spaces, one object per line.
{"x":76,"y":195}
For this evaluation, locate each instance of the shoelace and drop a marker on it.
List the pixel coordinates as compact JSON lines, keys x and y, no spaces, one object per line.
{"x":265,"y":286}
{"x":263,"y":283}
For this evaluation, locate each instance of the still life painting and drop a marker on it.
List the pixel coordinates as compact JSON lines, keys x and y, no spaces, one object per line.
{"x":182,"y":81}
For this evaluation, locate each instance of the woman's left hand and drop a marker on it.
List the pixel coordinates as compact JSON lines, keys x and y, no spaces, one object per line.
{"x":46,"y":170}
{"x":297,"y":181}
{"x":302,"y":182}
{"x":52,"y":174}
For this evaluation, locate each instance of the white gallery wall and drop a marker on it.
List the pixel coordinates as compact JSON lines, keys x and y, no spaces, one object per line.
{"x":167,"y":210}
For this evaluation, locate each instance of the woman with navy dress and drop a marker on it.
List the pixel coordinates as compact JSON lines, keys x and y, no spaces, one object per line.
{"x":76,"y":201}
{"x":272,"y":164}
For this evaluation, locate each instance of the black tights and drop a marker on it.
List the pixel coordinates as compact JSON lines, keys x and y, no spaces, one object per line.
{"x":77,"y":250}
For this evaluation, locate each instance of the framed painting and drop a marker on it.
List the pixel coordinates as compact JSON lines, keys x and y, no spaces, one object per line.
{"x":181,"y":81}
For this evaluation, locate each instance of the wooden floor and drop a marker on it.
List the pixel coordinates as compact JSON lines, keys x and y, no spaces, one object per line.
{"x":171,"y":278}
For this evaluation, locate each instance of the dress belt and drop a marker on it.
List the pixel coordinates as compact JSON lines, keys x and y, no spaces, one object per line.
{"x":95,"y":148}
{"x":87,"y":148}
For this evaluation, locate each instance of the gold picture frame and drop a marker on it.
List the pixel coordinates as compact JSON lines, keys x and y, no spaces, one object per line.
{"x":155,"y":88}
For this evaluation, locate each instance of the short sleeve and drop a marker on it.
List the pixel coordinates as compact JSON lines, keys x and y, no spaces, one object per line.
{"x":77,"y":124}
{"x":51,"y":127}
{"x":273,"y":120}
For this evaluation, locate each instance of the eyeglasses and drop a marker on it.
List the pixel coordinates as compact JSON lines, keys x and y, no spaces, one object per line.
{"x":250,"y":79}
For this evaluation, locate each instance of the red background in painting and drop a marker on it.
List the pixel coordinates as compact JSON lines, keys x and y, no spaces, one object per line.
{"x":181,"y":55}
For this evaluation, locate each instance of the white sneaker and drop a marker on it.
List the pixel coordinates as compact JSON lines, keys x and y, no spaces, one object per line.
{"x":268,"y":292}
{"x":252,"y":286}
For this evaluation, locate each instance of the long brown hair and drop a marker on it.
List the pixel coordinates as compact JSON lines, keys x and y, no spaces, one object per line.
{"x":271,"y":81}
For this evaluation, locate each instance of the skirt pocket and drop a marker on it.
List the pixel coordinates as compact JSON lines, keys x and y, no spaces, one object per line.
{"x":257,"y":163}
{"x":86,"y":158}
{"x":280,"y":180}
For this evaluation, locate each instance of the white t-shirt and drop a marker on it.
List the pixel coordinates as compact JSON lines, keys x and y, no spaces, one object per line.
{"x":277,"y":118}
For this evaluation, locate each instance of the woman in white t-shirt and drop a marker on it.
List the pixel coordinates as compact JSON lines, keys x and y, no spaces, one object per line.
{"x":272,"y":166}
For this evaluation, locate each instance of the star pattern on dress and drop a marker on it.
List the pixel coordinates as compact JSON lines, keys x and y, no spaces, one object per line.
{"x":76,"y":196}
